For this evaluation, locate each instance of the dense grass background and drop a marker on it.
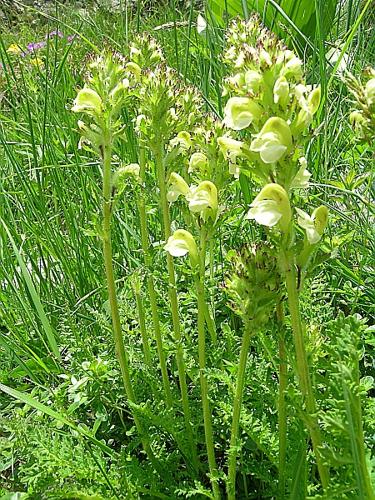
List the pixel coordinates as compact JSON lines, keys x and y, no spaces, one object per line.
{"x":52,"y":284}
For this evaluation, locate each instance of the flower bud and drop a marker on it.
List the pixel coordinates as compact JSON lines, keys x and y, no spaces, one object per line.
{"x":265,"y":58}
{"x":177,"y":187}
{"x":91,"y":135}
{"x":122,"y":173}
{"x":293,"y":68}
{"x":238,"y":80}
{"x":253,"y":283}
{"x":359,"y":123}
{"x":356,"y":118}
{"x":181,"y":243}
{"x":281,"y":92}
{"x":304,"y":118}
{"x":273,"y":141}
{"x":240,"y":112}
{"x":320,"y":216}
{"x":271,"y":207}
{"x":118,"y":93}
{"x":253,"y":81}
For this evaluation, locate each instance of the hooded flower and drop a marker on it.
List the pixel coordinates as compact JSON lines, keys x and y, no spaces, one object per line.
{"x":240,"y":112}
{"x":301,"y":179}
{"x":230,"y":148}
{"x":271,"y":207}
{"x":88,"y":101}
{"x":182,"y":141}
{"x":313,"y":100}
{"x":181,"y":243}
{"x":177,"y":187}
{"x":273,"y":141}
{"x":134,"y":69}
{"x":198,"y":162}
{"x":315,"y":224}
{"x":203,"y":199}
{"x":201,"y":24}
{"x":309,"y":106}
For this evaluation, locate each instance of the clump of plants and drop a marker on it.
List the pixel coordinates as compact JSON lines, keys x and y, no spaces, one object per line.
{"x":267,"y":121}
{"x":238,"y":396}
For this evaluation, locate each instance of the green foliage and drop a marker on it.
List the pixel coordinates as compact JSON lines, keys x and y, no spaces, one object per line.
{"x":300,"y":16}
{"x":67,"y":428}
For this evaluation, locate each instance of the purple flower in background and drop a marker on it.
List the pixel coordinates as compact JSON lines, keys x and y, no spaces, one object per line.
{"x":35,"y":46}
{"x":53,"y":33}
{"x":70,"y":38}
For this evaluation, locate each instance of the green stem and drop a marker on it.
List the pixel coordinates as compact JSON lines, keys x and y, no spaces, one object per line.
{"x":357,"y":440}
{"x":145,"y":241}
{"x":237,"y":404}
{"x":288,"y":266}
{"x":209,"y":320}
{"x":142,"y":324}
{"x":172,"y":292}
{"x":282,"y":419}
{"x":207,"y":416}
{"x":210,"y":324}
{"x":111,"y":285}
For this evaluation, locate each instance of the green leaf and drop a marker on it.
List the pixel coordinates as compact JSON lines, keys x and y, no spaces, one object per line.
{"x":300,"y":15}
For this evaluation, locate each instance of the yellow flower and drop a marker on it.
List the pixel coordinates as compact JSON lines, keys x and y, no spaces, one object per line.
{"x":273,"y":141}
{"x":181,"y":243}
{"x":177,"y":187}
{"x":198,"y":162}
{"x":271,"y":207}
{"x":14,"y":49}
{"x":240,"y":112}
{"x":203,"y":200}
{"x":36,"y":61}
{"x":88,"y":101}
{"x":315,"y":224}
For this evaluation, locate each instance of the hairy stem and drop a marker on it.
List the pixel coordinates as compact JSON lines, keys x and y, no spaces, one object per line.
{"x":172,"y":292}
{"x":283,"y":381}
{"x":237,"y":404}
{"x":303,"y":371}
{"x":145,"y":241}
{"x":142,"y":325}
{"x":207,"y":416}
{"x":111,"y":286}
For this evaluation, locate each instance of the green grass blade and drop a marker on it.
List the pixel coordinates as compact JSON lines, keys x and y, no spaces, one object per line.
{"x":34,"y":403}
{"x":35,"y":297}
